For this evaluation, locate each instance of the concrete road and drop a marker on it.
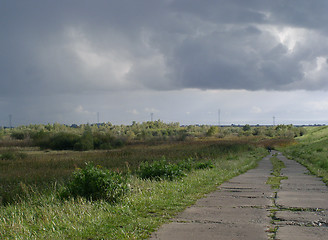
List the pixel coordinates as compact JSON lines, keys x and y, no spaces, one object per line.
{"x":302,"y":201}
{"x":247,"y":208}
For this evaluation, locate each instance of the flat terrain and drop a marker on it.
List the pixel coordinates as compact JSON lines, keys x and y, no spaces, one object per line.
{"x":247,"y":208}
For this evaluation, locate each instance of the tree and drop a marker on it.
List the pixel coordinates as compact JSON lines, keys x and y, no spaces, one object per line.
{"x":246,"y":127}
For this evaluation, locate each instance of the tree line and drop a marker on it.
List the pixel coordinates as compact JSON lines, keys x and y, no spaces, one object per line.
{"x":107,"y":136}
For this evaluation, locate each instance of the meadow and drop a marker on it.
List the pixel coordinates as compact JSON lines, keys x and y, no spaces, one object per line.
{"x":32,"y":176}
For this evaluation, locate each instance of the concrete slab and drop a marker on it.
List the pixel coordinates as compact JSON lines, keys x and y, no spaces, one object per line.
{"x":302,"y":233}
{"x":195,"y":231}
{"x":302,"y":199}
{"x":319,"y":219}
{"x":309,"y":187}
{"x":224,"y":215}
{"x":220,"y":201}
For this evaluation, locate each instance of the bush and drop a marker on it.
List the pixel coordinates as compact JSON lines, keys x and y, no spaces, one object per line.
{"x":107,"y":141}
{"x":246,"y":128}
{"x":86,"y":142}
{"x":212,"y":131}
{"x":204,"y":165}
{"x":102,"y":141}
{"x":63,"y":141}
{"x":8,"y":156}
{"x":186,"y":165}
{"x":18,"y":135}
{"x":96,"y":183}
{"x":162,"y":169}
{"x":40,"y":138}
{"x":58,"y":141}
{"x":159,"y":170}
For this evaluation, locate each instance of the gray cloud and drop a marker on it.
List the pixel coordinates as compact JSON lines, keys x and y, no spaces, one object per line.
{"x":108,"y":45}
{"x":58,"y":57}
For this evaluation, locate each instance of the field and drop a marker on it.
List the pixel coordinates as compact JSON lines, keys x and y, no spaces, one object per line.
{"x":31,"y":180}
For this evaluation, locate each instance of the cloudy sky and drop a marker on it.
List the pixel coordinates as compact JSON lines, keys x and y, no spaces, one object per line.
{"x":182,"y":60}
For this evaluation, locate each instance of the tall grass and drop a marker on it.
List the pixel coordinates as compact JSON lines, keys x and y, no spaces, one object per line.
{"x":149,"y":204}
{"x":39,"y":170}
{"x":30,"y":183}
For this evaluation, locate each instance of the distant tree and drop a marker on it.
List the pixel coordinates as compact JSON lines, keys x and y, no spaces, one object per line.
{"x":247,"y":127}
{"x":86,"y":141}
{"x":212,"y":131}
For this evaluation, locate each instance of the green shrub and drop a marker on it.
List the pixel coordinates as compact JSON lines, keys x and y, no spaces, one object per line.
{"x":102,"y":141}
{"x":203,"y":165}
{"x":106,"y":141}
{"x":63,"y":141}
{"x":96,"y":183}
{"x":41,"y":138}
{"x":8,"y":156}
{"x":159,"y":170}
{"x":246,"y":128}
{"x":212,"y":131}
{"x":85,"y":143}
{"x":19,"y":135}
{"x":162,"y":169}
{"x":58,"y":141}
{"x":187,"y":165}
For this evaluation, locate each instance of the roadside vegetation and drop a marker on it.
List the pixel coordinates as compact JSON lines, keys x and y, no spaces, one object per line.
{"x":118,"y":182}
{"x":311,"y":151}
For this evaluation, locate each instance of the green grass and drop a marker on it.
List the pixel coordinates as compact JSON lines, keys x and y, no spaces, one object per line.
{"x":149,"y":204}
{"x":275,"y":180}
{"x":311,"y":151}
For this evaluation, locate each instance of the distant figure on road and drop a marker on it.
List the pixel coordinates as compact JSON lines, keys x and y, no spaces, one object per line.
{"x":269,"y":148}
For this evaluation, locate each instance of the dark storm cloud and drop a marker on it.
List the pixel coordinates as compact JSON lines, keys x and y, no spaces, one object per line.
{"x":50,"y":47}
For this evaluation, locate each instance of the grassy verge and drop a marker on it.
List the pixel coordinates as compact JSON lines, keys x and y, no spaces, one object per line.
{"x":311,"y":151}
{"x":150,"y":204}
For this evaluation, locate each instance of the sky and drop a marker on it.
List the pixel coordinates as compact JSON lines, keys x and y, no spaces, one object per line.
{"x":187,"y":61}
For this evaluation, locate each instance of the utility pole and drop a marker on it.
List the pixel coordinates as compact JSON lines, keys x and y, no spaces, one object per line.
{"x":10,"y":118}
{"x":151,"y":116}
